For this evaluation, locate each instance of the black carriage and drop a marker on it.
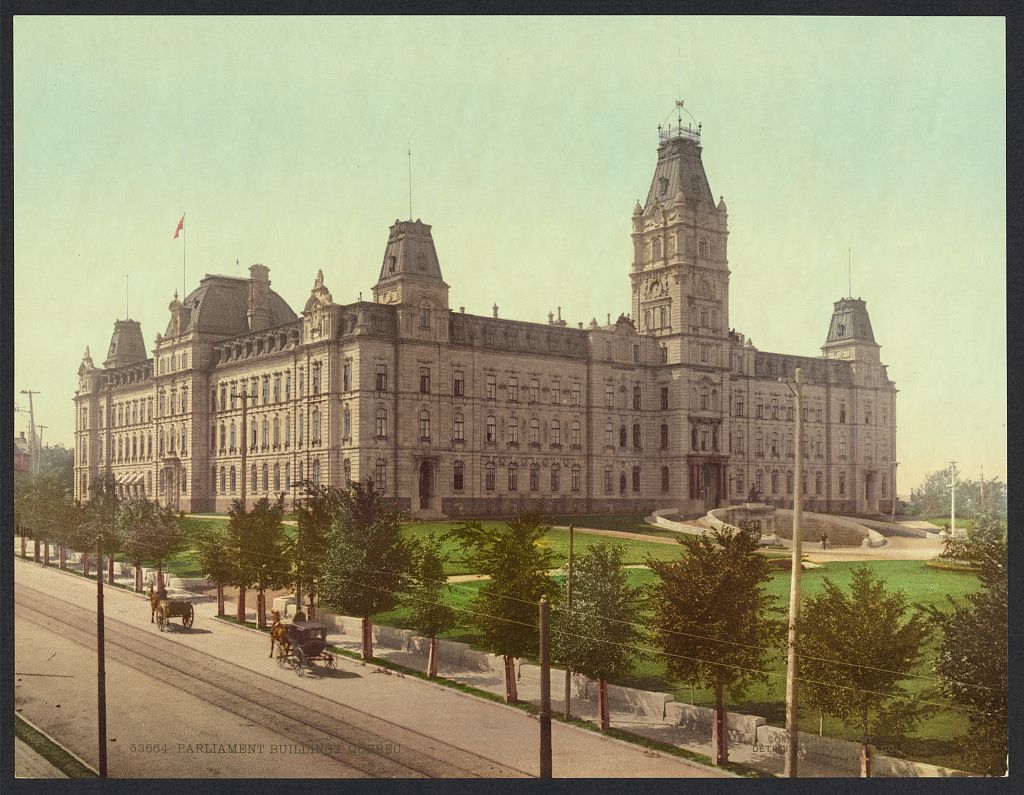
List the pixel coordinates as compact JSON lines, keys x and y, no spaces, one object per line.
{"x":174,"y":607}
{"x":307,"y":646}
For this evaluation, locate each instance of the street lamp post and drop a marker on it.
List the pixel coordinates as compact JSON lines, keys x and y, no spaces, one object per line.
{"x":792,"y":726}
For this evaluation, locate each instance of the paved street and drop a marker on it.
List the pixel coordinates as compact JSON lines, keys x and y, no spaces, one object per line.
{"x":214,"y":684}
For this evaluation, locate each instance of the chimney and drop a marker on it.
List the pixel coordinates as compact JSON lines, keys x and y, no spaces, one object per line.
{"x":258,"y":310}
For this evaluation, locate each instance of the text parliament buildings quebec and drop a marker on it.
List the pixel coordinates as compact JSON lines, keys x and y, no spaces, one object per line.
{"x":458,"y":414}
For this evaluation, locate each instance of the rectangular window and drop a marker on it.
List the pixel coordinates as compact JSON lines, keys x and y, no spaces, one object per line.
{"x":316,"y":378}
{"x":556,"y":393}
{"x":574,"y":398}
{"x":609,"y":396}
{"x":636,"y":353}
{"x":302,"y":383}
{"x":491,"y":388}
{"x":575,"y":477}
{"x":381,"y":479}
{"x":277,"y":389}
{"x":489,"y":477}
{"x":513,"y":389}
{"x":534,"y":391}
{"x":459,"y":433}
{"x":382,"y":378}
{"x":266,"y":390}
{"x":636,"y":398}
{"x":346,"y":377}
{"x":458,"y":476}
{"x":513,"y":431}
{"x":459,"y":384}
{"x":287,"y":387}
{"x":425,"y":380}
{"x":664,"y":397}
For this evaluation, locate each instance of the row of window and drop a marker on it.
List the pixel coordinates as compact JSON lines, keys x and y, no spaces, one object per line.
{"x":267,"y":389}
{"x":260,"y":480}
{"x":126,"y":449}
{"x":738,"y":485}
{"x":787,"y":412}
{"x":512,"y":472}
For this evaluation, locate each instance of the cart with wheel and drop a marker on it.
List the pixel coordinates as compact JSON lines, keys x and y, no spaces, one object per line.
{"x":306,"y":649}
{"x":174,"y":607}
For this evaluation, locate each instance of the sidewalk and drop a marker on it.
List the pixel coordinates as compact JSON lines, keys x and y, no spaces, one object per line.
{"x":495,"y":731}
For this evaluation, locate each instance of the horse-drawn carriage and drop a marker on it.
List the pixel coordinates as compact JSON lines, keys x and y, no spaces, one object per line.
{"x":305,"y":644}
{"x":163,"y":608}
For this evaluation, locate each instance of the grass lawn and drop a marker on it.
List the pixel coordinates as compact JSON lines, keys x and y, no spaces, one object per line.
{"x":935,"y":740}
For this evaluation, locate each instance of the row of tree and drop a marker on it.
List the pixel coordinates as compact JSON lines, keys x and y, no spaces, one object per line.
{"x":973,"y":497}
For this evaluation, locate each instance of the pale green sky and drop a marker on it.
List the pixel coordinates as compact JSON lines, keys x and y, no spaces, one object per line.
{"x":285,"y":140}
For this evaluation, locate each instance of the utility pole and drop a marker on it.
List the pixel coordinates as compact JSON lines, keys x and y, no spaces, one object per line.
{"x":895,"y":498}
{"x":545,"y":691}
{"x":952,"y":498}
{"x":245,"y":439}
{"x":792,"y":727}
{"x":32,"y":427}
{"x":41,"y":428}
{"x":568,"y":604}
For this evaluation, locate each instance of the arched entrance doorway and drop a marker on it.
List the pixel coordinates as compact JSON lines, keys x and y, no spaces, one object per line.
{"x":425,"y":479}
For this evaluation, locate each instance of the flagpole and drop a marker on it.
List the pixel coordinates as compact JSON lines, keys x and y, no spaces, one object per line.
{"x":183,"y":231}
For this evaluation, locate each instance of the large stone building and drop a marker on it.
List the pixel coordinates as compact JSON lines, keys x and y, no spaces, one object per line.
{"x":459,"y":414}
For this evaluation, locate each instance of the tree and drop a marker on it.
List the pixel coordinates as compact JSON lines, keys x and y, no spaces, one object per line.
{"x":427,"y":587}
{"x":98,"y":521}
{"x":973,"y":652}
{"x":595,"y":638}
{"x":714,"y":618}
{"x":257,"y":540}
{"x":856,"y":649}
{"x":43,"y":508}
{"x":367,"y":561}
{"x":59,"y":461}
{"x":149,"y":534}
{"x":932,"y":497}
{"x":517,"y":570}
{"x":216,"y":561}
{"x":316,"y":511}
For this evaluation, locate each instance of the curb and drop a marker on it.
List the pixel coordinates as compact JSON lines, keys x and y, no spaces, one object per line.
{"x":68,"y":751}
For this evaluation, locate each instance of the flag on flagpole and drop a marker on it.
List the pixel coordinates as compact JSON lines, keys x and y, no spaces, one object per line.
{"x":181,"y":225}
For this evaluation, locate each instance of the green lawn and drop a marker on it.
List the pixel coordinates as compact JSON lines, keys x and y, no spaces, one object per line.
{"x":935,"y":740}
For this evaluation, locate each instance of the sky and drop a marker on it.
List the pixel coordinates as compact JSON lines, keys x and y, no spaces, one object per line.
{"x":874,"y":141}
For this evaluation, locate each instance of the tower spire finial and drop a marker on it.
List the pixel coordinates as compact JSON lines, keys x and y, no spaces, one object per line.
{"x":849,"y":272}
{"x":410,"y":180}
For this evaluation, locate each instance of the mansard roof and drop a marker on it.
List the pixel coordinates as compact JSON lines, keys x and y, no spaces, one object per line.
{"x":219,"y":305}
{"x":680,"y":169}
{"x":850,"y":323}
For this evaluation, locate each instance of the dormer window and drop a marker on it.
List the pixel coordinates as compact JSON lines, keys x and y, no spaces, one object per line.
{"x":393,"y":264}
{"x":663,"y":186}
{"x":841,"y":330}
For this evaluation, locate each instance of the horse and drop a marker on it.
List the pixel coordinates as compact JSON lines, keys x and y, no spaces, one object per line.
{"x":278,"y":634}
{"x":154,"y":601}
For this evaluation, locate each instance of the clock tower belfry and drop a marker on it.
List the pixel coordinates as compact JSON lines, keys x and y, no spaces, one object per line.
{"x":680,"y":272}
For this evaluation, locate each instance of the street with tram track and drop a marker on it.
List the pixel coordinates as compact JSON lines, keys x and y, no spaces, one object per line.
{"x":208,"y":702}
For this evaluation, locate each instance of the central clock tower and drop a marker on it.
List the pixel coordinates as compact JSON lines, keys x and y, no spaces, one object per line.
{"x":680,"y":272}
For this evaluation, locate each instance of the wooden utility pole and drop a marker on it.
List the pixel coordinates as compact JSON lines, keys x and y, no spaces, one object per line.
{"x":792,"y":726}
{"x":545,"y":690}
{"x":952,"y":498}
{"x":101,"y":672}
{"x":568,"y":605}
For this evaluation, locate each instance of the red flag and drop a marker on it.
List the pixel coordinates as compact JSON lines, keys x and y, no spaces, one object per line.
{"x":181,"y":225}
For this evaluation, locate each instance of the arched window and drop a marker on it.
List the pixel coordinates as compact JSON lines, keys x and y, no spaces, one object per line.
{"x":316,"y":426}
{"x":277,"y":477}
{"x":636,"y":478}
{"x":489,"y":476}
{"x":664,"y":318}
{"x":252,"y":478}
{"x":636,"y":436}
{"x":609,"y":480}
{"x":622,"y":483}
{"x":232,"y":480}
{"x":231,"y":436}
{"x":664,"y":478}
{"x":265,"y":432}
{"x":381,"y":420}
{"x":714,"y":399}
{"x":622,"y":436}
{"x":277,"y":431}
{"x":288,"y":475}
{"x":266,"y":478}
{"x":184,"y":437}
{"x":424,"y":426}
{"x":316,"y":474}
{"x":534,"y":477}
{"x":656,"y":248}
{"x":575,"y":477}
{"x":664,"y":437}
{"x":491,"y":429}
{"x":647,"y":318}
{"x":556,"y":477}
{"x":842,"y":483}
{"x":513,"y":477}
{"x":287,"y":429}
{"x":223,"y":480}
{"x":346,"y":422}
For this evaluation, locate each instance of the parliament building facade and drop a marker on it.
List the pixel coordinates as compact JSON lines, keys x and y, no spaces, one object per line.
{"x":458,"y":414}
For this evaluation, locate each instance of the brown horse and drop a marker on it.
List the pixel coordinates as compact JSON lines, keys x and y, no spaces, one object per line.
{"x":278,"y":635}
{"x":154,"y":603}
